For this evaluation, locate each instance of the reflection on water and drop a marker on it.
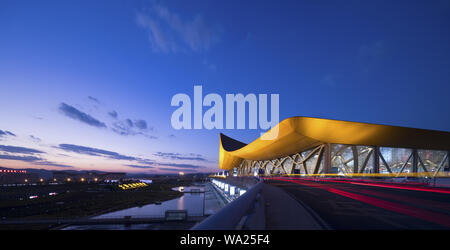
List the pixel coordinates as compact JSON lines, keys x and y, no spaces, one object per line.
{"x":192,"y":202}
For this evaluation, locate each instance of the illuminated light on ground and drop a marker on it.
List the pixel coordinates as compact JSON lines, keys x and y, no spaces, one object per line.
{"x":218,"y":176}
{"x":425,"y":189}
{"x":232,"y":190}
{"x":406,"y":186}
{"x":429,"y":216}
{"x":440,"y":219}
{"x":352,"y":175}
{"x":132,"y":185}
{"x":407,"y":199}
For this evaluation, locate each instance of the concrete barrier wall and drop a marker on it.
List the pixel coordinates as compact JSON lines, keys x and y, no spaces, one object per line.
{"x":230,"y":216}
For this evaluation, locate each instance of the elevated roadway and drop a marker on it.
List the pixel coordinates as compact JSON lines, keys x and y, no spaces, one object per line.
{"x":362,"y":205}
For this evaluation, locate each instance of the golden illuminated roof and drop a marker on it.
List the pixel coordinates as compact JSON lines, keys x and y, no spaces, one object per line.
{"x":297,"y":134}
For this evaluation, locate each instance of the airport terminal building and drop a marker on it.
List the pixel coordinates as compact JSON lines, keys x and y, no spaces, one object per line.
{"x":320,"y":147}
{"x":17,"y":176}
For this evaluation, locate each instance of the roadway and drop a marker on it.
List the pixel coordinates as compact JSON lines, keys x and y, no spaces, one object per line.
{"x":366,"y":205}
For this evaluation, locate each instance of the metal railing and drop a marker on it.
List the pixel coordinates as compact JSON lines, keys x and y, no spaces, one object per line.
{"x":237,"y":214}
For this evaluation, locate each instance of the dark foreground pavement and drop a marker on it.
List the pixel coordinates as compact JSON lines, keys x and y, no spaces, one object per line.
{"x":350,"y":205}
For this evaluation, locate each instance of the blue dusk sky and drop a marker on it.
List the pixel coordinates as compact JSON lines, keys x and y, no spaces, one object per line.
{"x":87,"y":85}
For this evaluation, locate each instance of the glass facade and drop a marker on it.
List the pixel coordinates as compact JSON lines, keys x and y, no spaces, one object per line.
{"x":305,"y":165}
{"x":431,"y":159}
{"x":398,"y":159}
{"x":287,"y":165}
{"x":342,"y":158}
{"x":346,"y":160}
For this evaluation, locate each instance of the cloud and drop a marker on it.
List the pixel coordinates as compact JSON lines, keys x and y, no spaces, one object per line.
{"x":210,"y":66}
{"x":138,"y":166}
{"x":93,"y":99}
{"x":102,"y":153}
{"x":33,"y":159}
{"x":168,"y":32}
{"x":129,"y":127}
{"x":35,"y":139}
{"x":177,"y":170}
{"x":180,"y":165}
{"x":145,"y":161}
{"x":20,"y":150}
{"x":178,"y":156}
{"x":158,"y":38}
{"x":141,"y":124}
{"x":149,"y":136}
{"x":38,"y":117}
{"x":129,"y":123}
{"x":49,"y":163}
{"x":27,"y":158}
{"x":122,"y":127}
{"x":113,"y":114}
{"x":5,"y":133}
{"x":94,"y":152}
{"x":80,"y":116}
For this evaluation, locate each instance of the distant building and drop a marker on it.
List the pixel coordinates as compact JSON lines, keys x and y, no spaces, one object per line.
{"x":147,"y":181}
{"x":62,"y":176}
{"x":114,"y":177}
{"x":15,"y":176}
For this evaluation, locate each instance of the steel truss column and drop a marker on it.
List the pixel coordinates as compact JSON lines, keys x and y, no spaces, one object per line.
{"x":404,"y":165}
{"x":355,"y":159}
{"x":376,"y":159}
{"x":385,"y":162}
{"x":369,"y":153}
{"x":415,"y":161}
{"x":320,"y":155}
{"x":327,"y":158}
{"x":448,"y":162}
{"x":444,"y":160}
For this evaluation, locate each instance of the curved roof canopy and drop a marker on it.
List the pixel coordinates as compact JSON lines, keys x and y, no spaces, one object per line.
{"x":297,"y":134}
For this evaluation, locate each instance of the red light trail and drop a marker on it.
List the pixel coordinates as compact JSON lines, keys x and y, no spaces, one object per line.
{"x":438,"y":218}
